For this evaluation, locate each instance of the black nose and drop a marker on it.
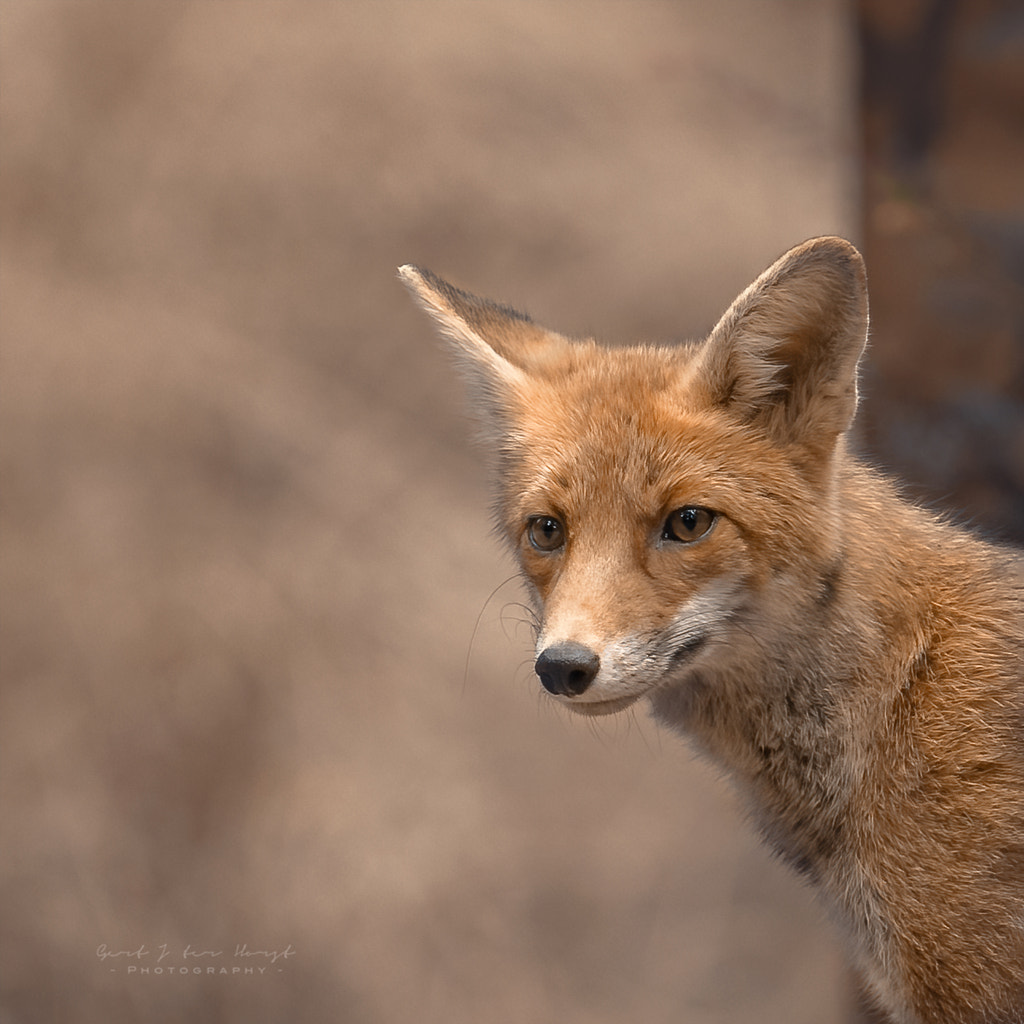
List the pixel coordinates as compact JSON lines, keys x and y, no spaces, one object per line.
{"x":567,"y":669}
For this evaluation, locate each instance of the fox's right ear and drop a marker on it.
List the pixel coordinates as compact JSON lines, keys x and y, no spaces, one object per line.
{"x":497,"y":347}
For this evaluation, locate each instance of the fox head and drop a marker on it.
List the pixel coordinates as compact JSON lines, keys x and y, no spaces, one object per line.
{"x":662,"y":499}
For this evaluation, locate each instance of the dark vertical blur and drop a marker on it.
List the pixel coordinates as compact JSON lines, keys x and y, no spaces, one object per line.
{"x":943,"y":129}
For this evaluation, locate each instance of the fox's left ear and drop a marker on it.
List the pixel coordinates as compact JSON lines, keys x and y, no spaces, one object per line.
{"x":785,"y":354}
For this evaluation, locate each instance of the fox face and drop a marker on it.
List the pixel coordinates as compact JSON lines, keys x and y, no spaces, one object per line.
{"x":636,"y":534}
{"x":663,"y":501}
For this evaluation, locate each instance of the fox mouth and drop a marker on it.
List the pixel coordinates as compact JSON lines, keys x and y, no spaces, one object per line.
{"x":689,"y":649}
{"x":597,"y":708}
{"x":612,"y":705}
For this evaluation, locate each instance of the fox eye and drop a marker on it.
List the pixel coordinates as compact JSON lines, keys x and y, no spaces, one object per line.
{"x":688,"y":524}
{"x":546,"y":533}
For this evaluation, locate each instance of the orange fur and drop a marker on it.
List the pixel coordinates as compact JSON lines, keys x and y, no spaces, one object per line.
{"x":696,"y":534}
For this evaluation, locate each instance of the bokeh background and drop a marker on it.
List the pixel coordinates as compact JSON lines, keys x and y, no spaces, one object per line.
{"x":265,"y":680}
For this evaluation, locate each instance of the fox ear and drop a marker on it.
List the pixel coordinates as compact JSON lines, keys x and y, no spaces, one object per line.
{"x":785,"y":353}
{"x":498,"y":347}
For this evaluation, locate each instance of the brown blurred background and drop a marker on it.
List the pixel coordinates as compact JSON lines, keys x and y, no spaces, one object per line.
{"x":246,"y":700}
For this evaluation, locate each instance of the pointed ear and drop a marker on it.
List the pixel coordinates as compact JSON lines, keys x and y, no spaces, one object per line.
{"x":785,"y":353}
{"x":497,"y":347}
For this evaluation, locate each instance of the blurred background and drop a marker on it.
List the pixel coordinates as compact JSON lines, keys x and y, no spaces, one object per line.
{"x":266,"y":676}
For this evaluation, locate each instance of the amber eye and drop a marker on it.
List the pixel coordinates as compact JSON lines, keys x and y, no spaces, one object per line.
{"x":546,"y":533}
{"x":688,"y":524}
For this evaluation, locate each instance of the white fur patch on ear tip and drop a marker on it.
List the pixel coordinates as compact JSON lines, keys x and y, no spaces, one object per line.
{"x":413,"y":278}
{"x":441,"y":300}
{"x":426,"y":290}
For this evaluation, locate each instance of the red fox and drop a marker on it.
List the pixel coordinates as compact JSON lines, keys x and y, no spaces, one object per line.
{"x":695,"y":532}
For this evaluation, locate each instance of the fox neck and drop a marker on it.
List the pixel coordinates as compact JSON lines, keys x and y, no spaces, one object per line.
{"x":791,"y":708}
{"x":785,"y":735}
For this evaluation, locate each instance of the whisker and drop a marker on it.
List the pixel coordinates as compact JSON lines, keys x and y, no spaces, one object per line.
{"x":528,"y":619}
{"x":476,"y":627}
{"x":642,"y":733}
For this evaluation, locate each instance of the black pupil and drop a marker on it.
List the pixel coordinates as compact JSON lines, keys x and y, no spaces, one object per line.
{"x":687,"y":524}
{"x":549,"y":529}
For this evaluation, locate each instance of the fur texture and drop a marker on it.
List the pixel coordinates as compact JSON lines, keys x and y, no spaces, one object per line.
{"x":695,"y":533}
